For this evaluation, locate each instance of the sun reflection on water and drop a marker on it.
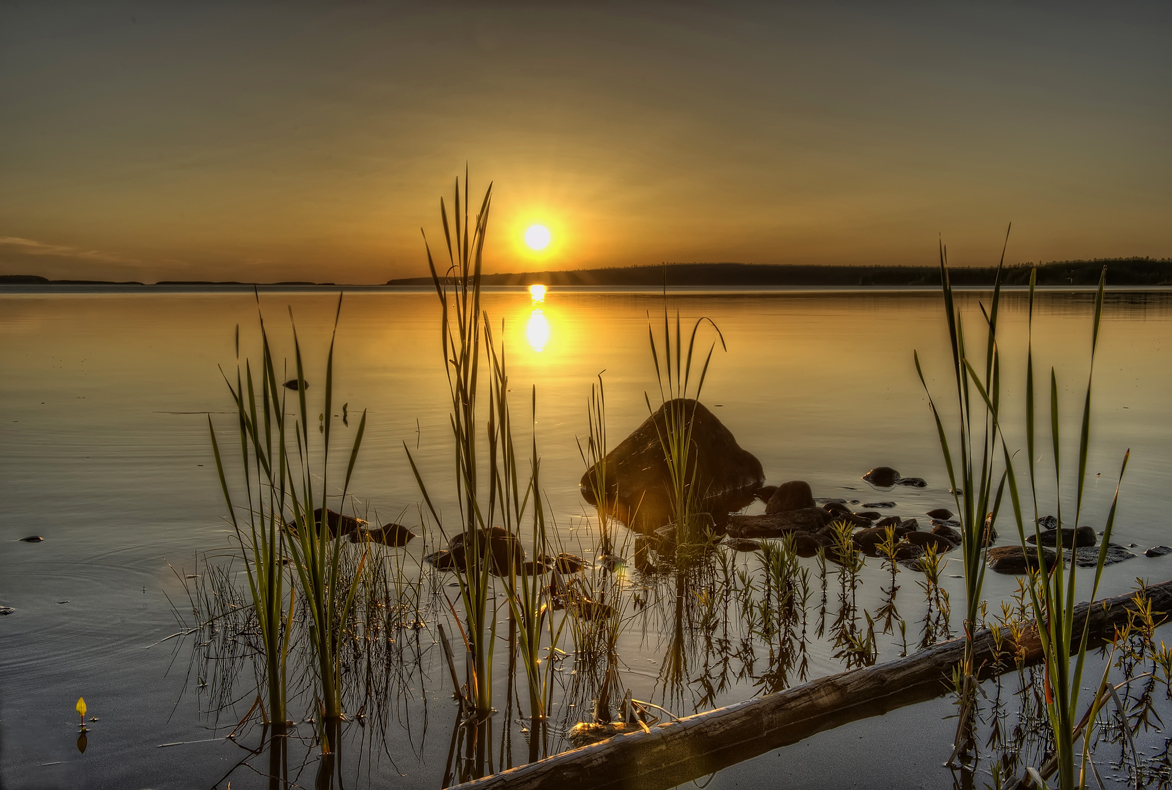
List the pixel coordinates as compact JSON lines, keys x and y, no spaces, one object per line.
{"x":537,"y":331}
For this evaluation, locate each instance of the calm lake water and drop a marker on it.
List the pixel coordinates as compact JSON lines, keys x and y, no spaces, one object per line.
{"x":104,"y":451}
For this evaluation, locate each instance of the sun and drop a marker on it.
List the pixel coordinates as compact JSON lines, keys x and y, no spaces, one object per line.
{"x":537,"y":237}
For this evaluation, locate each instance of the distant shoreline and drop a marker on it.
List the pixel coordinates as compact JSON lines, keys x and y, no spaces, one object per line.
{"x":1121,"y":272}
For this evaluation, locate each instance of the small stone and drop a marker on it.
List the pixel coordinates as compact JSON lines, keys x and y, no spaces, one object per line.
{"x":834,"y":508}
{"x":292,"y":384}
{"x":882,"y":477}
{"x":941,"y":513}
{"x":870,"y":515}
{"x":1157,"y":551}
{"x":944,"y":530}
{"x":888,"y":521}
{"x":6,"y":610}
{"x":914,"y":482}
{"x":32,"y":539}
{"x":1048,"y":522}
{"x":879,"y":505}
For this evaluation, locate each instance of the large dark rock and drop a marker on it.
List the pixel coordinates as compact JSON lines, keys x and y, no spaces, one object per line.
{"x":1011,"y":559}
{"x":794,"y":495}
{"x":638,"y":490}
{"x":775,"y":525}
{"x":882,"y":477}
{"x":1157,"y":551}
{"x":1071,"y":538}
{"x":940,"y":513}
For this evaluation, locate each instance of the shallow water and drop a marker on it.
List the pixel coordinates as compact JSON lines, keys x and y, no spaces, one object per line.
{"x":105,"y":453}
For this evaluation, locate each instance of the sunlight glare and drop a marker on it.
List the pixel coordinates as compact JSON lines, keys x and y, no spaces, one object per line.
{"x":537,"y":332}
{"x":537,"y":237}
{"x":537,"y":291}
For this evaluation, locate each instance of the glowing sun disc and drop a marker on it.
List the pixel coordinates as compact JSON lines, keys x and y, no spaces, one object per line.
{"x":537,"y":237}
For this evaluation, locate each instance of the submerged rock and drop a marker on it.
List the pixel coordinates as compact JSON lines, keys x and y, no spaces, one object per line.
{"x":888,"y":521}
{"x":1012,"y":559}
{"x":834,"y":508}
{"x":32,"y":539}
{"x":394,"y":535}
{"x":870,"y":515}
{"x":1071,"y":538}
{"x":926,"y":539}
{"x":567,"y":563}
{"x":809,"y":519}
{"x":339,"y":524}
{"x":1048,"y":522}
{"x":879,"y":505}
{"x":941,"y":513}
{"x":914,"y":482}
{"x":882,"y":477}
{"x":6,"y":610}
{"x":741,"y":544}
{"x":638,"y":485}
{"x":794,"y":495}
{"x":1157,"y":551}
{"x":1088,"y":556}
{"x":293,"y":384}
{"x":944,"y":530}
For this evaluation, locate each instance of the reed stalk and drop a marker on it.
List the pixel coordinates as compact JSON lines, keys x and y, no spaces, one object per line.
{"x":287,"y":504}
{"x":673,"y":373}
{"x":977,"y":487}
{"x":260,"y":535}
{"x":1053,"y":594}
{"x":508,"y":496}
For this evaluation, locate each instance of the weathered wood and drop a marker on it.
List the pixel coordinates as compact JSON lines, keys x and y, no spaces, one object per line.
{"x":680,"y":751}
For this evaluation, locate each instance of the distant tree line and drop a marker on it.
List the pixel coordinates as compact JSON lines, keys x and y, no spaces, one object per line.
{"x":1120,"y":271}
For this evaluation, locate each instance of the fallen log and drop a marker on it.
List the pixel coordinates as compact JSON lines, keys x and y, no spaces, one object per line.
{"x":693,"y":747}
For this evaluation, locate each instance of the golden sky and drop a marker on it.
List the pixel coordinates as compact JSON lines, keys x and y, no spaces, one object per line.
{"x":273,"y":141}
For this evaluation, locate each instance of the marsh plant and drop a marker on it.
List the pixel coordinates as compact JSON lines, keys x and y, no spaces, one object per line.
{"x":1053,"y":592}
{"x":492,"y":510}
{"x":674,"y":375}
{"x":285,"y":516}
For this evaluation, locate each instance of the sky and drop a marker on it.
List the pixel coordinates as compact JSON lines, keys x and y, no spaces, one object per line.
{"x":312,"y":141}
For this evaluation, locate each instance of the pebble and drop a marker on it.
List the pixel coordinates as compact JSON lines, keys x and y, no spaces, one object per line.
{"x":878,"y":505}
{"x":1157,"y":551}
{"x":32,"y":539}
{"x":6,"y":610}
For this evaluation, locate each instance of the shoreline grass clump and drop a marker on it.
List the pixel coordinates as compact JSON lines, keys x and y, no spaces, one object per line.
{"x":509,"y":495}
{"x":289,"y":522}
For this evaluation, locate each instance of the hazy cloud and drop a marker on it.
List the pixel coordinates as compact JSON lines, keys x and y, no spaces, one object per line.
{"x":18,"y":245}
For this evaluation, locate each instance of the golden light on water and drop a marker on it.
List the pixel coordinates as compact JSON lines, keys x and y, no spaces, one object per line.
{"x":537,"y":331}
{"x":537,"y":291}
{"x":537,"y":237}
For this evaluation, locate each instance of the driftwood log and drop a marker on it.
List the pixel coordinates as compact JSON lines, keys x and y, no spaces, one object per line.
{"x":681,"y":751}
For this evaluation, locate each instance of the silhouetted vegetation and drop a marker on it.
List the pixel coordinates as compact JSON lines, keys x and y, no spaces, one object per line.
{"x":1124,"y":271}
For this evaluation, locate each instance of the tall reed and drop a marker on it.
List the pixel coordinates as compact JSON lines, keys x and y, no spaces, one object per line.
{"x":260,"y":536}
{"x":1053,"y":594}
{"x":291,"y":522}
{"x":977,"y":486}
{"x":508,"y":496}
{"x":673,"y":373}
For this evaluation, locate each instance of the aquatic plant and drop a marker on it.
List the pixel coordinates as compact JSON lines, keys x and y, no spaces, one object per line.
{"x":977,"y":487}
{"x":678,"y":404}
{"x":287,"y":511}
{"x":1053,"y":593}
{"x":508,"y":495}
